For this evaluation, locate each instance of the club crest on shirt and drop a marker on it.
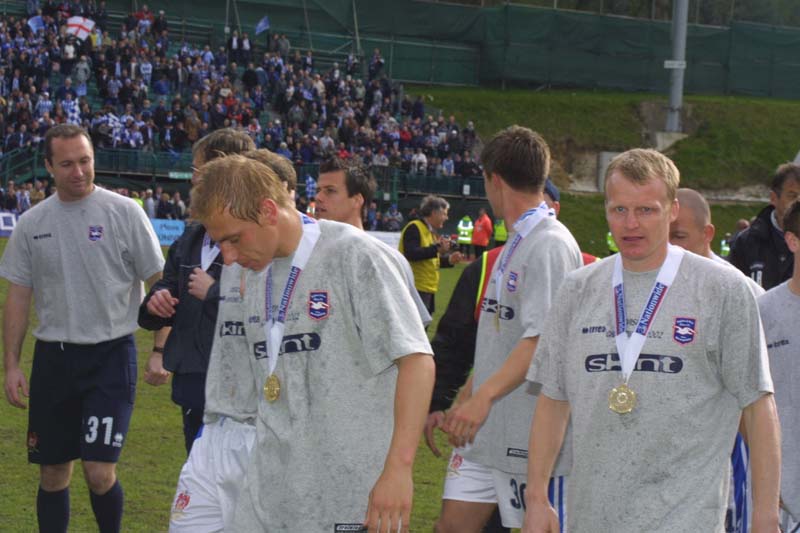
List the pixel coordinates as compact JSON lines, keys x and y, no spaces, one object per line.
{"x":181,"y":502}
{"x":95,"y":233}
{"x":513,"y":280}
{"x":318,"y":305}
{"x":683,"y":330}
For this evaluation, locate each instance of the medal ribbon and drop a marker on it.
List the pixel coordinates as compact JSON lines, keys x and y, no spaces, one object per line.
{"x":208,"y":253}
{"x":629,"y":348}
{"x":523,"y":226}
{"x":274,"y":326}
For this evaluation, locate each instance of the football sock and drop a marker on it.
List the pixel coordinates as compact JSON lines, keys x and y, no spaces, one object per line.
{"x":52,"y":510}
{"x":108,"y":509}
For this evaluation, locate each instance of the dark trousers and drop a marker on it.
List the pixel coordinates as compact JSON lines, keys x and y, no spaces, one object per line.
{"x":192,"y":421}
{"x":428,"y":298}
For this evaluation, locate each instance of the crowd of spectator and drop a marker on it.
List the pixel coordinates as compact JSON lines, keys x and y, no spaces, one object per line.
{"x":156,"y":95}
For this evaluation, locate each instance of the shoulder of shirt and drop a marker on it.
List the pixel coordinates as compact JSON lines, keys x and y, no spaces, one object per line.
{"x":346,"y":239}
{"x":774,"y":294}
{"x":598,"y":272}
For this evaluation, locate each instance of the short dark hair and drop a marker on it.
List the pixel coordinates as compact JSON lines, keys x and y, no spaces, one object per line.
{"x":784,"y":172}
{"x":222,"y":142}
{"x":520,"y":156}
{"x":432,"y":203}
{"x":62,"y":131}
{"x":791,"y":220}
{"x":357,"y":177}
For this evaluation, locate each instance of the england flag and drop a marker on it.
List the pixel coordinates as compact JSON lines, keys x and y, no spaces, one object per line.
{"x":80,"y":27}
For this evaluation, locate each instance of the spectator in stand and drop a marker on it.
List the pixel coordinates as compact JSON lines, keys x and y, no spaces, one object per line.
{"x":419,"y":163}
{"x":38,"y":192}
{"x":393,"y":219}
{"x":165,"y":209}
{"x":149,"y":203}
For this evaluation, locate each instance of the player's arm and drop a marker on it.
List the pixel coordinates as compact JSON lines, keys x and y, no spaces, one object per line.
{"x":547,"y":434}
{"x":154,"y":372}
{"x":391,"y":497}
{"x":15,"y":325}
{"x":464,"y":421}
{"x":763,"y":429}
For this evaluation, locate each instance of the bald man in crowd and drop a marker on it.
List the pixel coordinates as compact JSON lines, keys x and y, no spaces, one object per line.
{"x":693,"y":230}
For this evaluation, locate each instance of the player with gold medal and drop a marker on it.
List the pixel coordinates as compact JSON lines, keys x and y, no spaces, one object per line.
{"x":275,"y":325}
{"x":622,"y":398}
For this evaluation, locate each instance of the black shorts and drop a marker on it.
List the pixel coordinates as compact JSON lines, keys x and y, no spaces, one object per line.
{"x":81,"y":400}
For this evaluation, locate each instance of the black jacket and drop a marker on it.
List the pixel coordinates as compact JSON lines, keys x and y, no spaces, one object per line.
{"x":189,"y":343}
{"x":454,"y":342}
{"x":761,"y":252}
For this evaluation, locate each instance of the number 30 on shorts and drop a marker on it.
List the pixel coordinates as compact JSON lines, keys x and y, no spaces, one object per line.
{"x":517,"y":500}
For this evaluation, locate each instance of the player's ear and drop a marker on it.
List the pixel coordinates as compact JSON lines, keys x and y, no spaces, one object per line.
{"x":268,"y":211}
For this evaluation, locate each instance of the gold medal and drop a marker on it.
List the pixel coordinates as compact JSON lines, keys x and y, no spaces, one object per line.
{"x":622,"y":399}
{"x":272,"y":388}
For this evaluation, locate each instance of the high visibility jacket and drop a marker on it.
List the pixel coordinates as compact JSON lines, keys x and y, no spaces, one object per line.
{"x":426,"y":271}
{"x":612,"y":246}
{"x":465,"y":229}
{"x":500,"y":232}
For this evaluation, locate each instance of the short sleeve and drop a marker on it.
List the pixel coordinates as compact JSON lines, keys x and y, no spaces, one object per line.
{"x":16,"y":265}
{"x":547,"y":365}
{"x":544,"y":273}
{"x":143,"y":244}
{"x":385,"y":314}
{"x":742,"y":346}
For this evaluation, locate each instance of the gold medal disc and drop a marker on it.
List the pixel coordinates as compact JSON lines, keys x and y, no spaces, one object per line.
{"x":272,"y":388}
{"x":622,"y":399}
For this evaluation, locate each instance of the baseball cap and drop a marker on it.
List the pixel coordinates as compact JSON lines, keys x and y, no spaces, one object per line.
{"x":551,"y":190}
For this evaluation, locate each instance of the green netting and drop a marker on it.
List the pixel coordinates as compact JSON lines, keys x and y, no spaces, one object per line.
{"x":445,"y":43}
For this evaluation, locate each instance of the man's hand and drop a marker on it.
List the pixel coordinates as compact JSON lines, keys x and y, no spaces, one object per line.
{"x":464,"y":421}
{"x":435,"y":420}
{"x":540,"y":517}
{"x":455,"y":258}
{"x":162,"y":304}
{"x":15,"y":380}
{"x":389,"y":508}
{"x":444,"y":245}
{"x":154,"y":373}
{"x":199,"y":283}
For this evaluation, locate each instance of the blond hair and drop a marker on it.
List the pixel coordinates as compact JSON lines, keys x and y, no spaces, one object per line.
{"x":640,"y":165}
{"x":239,"y":185}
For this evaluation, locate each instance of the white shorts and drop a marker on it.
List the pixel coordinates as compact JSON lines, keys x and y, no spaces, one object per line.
{"x":211,"y":478}
{"x":468,"y":481}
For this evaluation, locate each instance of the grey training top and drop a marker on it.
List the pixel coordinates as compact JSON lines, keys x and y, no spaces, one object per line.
{"x":321,"y":446}
{"x":665,"y":467}
{"x":780,"y":312}
{"x":85,"y":261}
{"x":528,"y":289}
{"x":230,"y":389}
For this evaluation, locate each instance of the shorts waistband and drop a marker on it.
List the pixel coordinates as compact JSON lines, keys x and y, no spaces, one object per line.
{"x":66,"y":345}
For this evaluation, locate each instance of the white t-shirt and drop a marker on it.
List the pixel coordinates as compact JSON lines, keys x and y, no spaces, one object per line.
{"x":665,"y":466}
{"x":528,"y":288}
{"x":780,"y":312}
{"x":321,"y":446}
{"x":230,"y":389}
{"x":85,"y":261}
